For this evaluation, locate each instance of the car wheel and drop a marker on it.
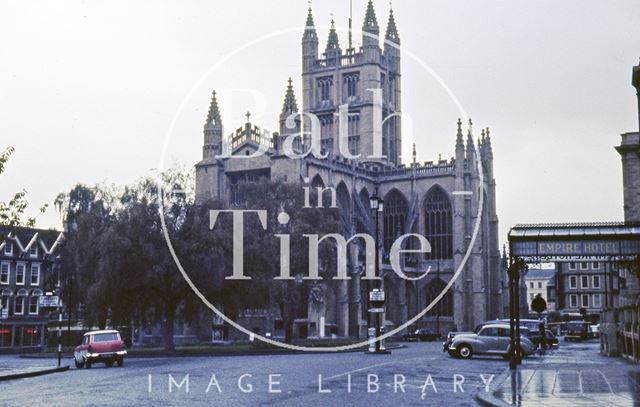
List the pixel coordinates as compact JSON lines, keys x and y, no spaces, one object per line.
{"x":79,"y":363}
{"x":465,"y":352}
{"x":120,"y":362}
{"x":109,"y":363}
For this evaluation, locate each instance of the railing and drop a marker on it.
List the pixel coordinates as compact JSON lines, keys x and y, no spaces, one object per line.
{"x":386,"y":170}
{"x":345,"y":60}
{"x":253,"y":133}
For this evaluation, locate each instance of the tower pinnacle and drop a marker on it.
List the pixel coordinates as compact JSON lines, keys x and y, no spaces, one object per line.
{"x":290,"y":105}
{"x":310,"y":28}
{"x":392,"y":30}
{"x":370,"y":20}
{"x":370,"y":28}
{"x":213,"y":116}
{"x":333,"y":43}
{"x":459,"y":136}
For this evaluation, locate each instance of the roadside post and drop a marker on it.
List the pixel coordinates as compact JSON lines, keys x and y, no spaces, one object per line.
{"x":59,"y":336}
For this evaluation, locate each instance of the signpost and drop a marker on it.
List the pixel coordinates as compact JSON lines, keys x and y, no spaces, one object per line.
{"x":49,"y":301}
{"x":53,"y":301}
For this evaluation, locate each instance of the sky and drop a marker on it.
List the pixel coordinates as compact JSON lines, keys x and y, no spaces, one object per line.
{"x":108,"y":92}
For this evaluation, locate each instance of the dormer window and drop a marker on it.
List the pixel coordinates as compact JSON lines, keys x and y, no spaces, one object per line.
{"x":33,"y":250}
{"x":8,"y":249}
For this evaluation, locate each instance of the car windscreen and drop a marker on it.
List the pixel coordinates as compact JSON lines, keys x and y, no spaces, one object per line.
{"x":105,"y":337}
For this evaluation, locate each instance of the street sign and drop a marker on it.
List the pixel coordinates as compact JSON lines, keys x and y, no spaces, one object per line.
{"x":376,"y":295}
{"x":376,"y":310}
{"x":49,"y":301}
{"x":5,"y":313}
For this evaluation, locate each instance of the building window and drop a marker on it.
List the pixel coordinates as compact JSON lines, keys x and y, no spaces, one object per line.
{"x":8,"y":249}
{"x":20,"y":273}
{"x":539,"y":284}
{"x":596,"y":281}
{"x":438,"y":224}
{"x":4,"y":273}
{"x":531,"y":284}
{"x":324,"y":89}
{"x":18,"y":307}
{"x":584,"y":265}
{"x":351,"y":84}
{"x":444,"y":307}
{"x":595,"y":265}
{"x":573,"y":282}
{"x":35,"y":274}
{"x":573,"y":301}
{"x":597,"y":301}
{"x":572,"y":265}
{"x":33,"y":305}
{"x":585,"y":300}
{"x":33,"y":250}
{"x":584,"y":282}
{"x":395,"y":216}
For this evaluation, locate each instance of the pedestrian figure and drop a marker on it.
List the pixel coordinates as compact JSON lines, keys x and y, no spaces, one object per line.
{"x":543,"y":338}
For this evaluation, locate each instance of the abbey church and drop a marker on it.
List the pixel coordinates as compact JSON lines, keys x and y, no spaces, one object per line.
{"x":443,"y":201}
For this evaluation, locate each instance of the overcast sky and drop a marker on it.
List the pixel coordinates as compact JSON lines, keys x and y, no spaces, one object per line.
{"x":88,"y":89}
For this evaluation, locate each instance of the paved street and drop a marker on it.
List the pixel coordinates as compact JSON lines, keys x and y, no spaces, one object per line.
{"x":573,"y":375}
{"x":298,"y":380}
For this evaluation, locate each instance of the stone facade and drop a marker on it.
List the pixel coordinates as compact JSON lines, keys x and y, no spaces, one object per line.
{"x":439,"y":200}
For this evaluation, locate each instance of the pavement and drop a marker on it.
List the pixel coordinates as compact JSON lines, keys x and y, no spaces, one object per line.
{"x":14,"y":368}
{"x":573,"y":375}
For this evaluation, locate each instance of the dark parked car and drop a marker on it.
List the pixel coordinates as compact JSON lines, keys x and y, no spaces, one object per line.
{"x":422,"y":335}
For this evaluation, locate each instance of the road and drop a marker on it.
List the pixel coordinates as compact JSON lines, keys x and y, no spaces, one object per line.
{"x":396,"y":379}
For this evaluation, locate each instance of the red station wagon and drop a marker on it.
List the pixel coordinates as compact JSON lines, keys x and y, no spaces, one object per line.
{"x":100,"y":346}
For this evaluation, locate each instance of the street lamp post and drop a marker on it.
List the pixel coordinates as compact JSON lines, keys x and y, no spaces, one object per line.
{"x":376,"y":297}
{"x":517,"y":268}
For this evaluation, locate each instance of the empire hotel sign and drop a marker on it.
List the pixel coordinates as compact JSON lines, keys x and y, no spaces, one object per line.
{"x":575,"y":242}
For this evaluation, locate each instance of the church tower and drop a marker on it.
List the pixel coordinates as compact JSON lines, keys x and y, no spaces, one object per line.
{"x":351,"y":77}
{"x":208,"y":180}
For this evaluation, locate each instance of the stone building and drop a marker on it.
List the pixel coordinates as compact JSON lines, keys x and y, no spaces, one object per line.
{"x":29,"y":269}
{"x":629,"y":150}
{"x":439,"y":200}
{"x":589,"y":285}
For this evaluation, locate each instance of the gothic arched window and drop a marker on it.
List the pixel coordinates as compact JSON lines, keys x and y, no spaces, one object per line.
{"x":395,"y":216}
{"x":438,"y":225}
{"x":444,"y":307}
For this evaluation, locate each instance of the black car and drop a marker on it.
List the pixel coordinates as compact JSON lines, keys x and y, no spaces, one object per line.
{"x":422,"y":335}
